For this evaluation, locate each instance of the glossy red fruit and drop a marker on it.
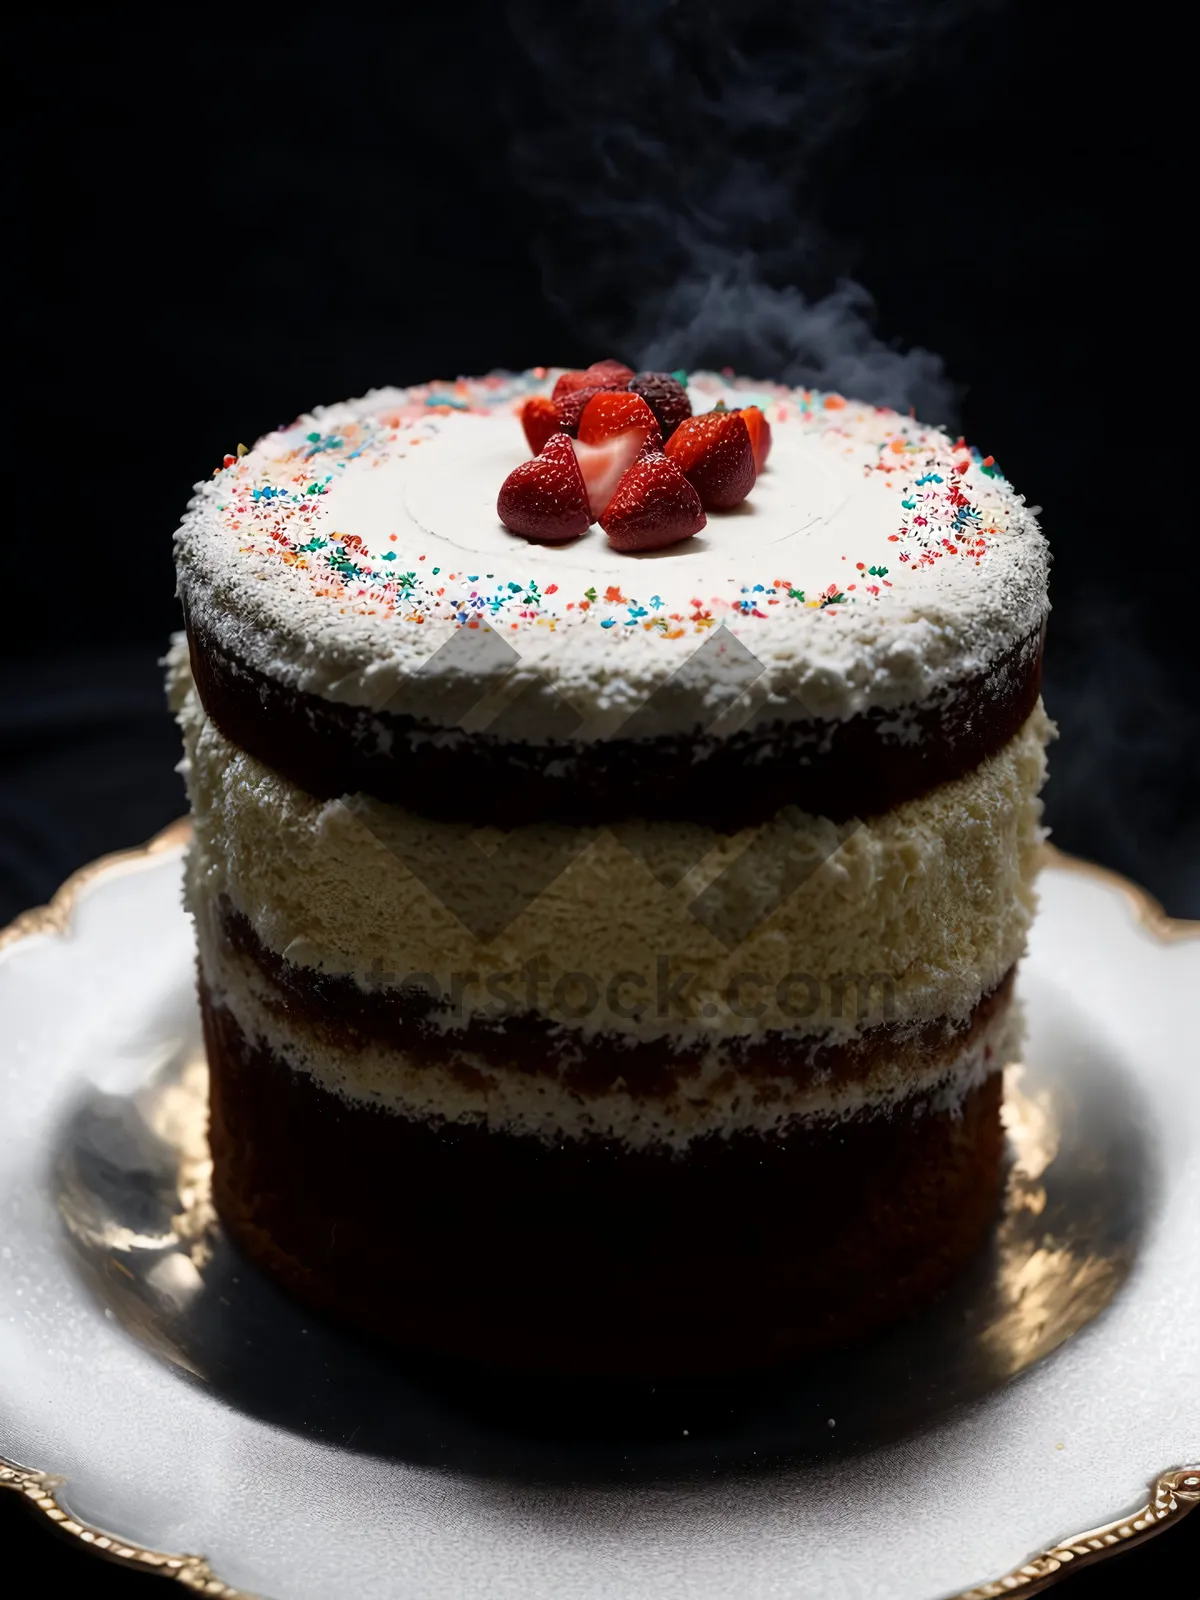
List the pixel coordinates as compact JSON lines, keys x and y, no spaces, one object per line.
{"x":600,"y":375}
{"x":714,"y":453}
{"x":759,"y":430}
{"x":607,"y":414}
{"x":654,"y":506}
{"x":571,"y":405}
{"x":665,"y":396}
{"x":567,"y":382}
{"x":545,"y":499}
{"x":539,"y":418}
{"x":613,"y":432}
{"x":573,"y":390}
{"x":611,"y":371}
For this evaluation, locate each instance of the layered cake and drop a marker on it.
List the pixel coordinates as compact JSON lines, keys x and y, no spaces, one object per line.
{"x":615,"y":823}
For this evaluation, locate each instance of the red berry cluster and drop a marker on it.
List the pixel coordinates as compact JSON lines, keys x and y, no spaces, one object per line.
{"x":623,"y":449}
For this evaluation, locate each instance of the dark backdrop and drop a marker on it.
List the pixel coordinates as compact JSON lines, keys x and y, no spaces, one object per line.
{"x":223,"y":221}
{"x":229,"y":220}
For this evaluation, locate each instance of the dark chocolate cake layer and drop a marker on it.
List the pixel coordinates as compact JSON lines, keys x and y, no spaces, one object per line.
{"x":342,"y":1016}
{"x":587,"y":1256}
{"x":861,"y":766}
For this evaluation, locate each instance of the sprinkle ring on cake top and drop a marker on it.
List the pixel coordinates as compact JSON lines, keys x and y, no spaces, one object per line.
{"x":865,"y":624}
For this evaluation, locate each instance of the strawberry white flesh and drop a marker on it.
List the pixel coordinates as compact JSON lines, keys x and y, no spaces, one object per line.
{"x":604,"y":465}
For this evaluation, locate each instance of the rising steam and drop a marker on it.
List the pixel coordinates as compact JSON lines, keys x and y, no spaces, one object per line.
{"x":675,"y":155}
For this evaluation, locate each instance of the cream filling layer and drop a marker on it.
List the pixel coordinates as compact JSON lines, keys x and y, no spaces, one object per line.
{"x":713,"y":1101}
{"x":650,"y":929}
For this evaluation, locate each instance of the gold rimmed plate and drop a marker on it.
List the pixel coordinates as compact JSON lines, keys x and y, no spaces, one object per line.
{"x":156,"y":1396}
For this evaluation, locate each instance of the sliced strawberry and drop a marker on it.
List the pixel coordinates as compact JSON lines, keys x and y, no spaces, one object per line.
{"x":604,"y":465}
{"x":759,"y":430}
{"x":539,"y":419}
{"x":665,"y":396}
{"x":611,"y":371}
{"x":545,"y":499}
{"x":715,"y":455}
{"x":613,"y":432}
{"x":654,"y":506}
{"x":573,"y":390}
{"x":607,"y":414}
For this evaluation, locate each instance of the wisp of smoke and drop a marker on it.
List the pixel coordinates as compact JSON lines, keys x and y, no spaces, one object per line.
{"x":674,"y":157}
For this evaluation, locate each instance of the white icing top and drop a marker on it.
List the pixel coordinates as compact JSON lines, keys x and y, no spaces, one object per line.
{"x":874,"y":562}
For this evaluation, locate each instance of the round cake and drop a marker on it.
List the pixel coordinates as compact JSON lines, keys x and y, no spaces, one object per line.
{"x":615,"y":825}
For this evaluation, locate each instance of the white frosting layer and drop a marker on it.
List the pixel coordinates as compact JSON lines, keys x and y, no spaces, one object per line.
{"x":875,"y":562}
{"x":930,"y":902}
{"x":715,"y":1101}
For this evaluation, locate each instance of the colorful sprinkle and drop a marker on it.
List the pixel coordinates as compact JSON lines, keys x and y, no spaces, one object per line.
{"x":277,"y":509}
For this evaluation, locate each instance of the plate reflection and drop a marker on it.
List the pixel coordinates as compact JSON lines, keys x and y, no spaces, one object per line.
{"x":131,"y":1184}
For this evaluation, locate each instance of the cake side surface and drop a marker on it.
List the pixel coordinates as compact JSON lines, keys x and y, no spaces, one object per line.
{"x":935,"y":896}
{"x":838,"y":968}
{"x":586,"y":1257}
{"x":588,"y":919}
{"x":529,"y":1077}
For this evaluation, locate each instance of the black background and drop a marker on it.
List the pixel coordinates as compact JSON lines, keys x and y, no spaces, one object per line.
{"x":224,"y":220}
{"x":227,"y":223}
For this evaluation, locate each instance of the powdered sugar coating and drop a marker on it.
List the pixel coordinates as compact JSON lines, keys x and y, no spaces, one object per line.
{"x":924,"y":908}
{"x":715,"y":1101}
{"x":875,"y":563}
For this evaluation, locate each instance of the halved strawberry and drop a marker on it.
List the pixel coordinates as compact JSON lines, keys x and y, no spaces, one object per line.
{"x":607,"y":414}
{"x":539,"y":419}
{"x":573,"y":390}
{"x":759,"y":430}
{"x":654,"y":506}
{"x":610,"y":371}
{"x":665,"y":396}
{"x":545,"y":499}
{"x":714,"y":453}
{"x":613,"y":431}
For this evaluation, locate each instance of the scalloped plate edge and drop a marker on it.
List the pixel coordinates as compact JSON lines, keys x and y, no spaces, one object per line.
{"x":38,"y":1488}
{"x":1176,"y":1491}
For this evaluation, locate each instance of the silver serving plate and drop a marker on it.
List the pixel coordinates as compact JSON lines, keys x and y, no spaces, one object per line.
{"x":158,"y":1396}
